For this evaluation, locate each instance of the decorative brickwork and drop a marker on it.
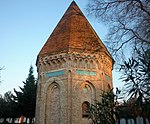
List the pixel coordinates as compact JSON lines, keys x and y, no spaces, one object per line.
{"x":74,"y":67}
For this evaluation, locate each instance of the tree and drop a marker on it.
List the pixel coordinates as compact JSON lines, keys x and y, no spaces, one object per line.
{"x":129,"y":27}
{"x":26,"y":98}
{"x":103,"y":112}
{"x":2,"y":103}
{"x":136,"y":75}
{"x":128,"y":20}
{"x":7,"y":107}
{"x":10,"y":106}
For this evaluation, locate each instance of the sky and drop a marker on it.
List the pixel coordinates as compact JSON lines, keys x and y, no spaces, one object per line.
{"x":25,"y":26}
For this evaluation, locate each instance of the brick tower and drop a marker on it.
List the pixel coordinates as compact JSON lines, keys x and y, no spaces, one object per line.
{"x":73,"y":67}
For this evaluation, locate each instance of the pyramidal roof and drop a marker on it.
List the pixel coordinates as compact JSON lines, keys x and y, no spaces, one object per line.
{"x":73,"y":33}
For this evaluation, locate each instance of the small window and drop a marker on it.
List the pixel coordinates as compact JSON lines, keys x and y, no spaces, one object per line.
{"x":109,"y":87}
{"x":107,"y":78}
{"x":85,"y":109}
{"x":86,"y":89}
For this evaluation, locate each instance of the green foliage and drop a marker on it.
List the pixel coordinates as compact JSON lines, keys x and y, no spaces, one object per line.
{"x":136,"y":75}
{"x":8,"y":106}
{"x":103,"y":111}
{"x":2,"y":106}
{"x":22,"y":103}
{"x":26,"y":98}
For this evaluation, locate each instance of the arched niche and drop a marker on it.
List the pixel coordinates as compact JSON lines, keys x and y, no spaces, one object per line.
{"x":87,"y":96}
{"x":52,"y":110}
{"x":87,"y":91}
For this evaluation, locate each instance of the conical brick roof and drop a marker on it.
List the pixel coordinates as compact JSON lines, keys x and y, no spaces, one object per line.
{"x":72,"y":34}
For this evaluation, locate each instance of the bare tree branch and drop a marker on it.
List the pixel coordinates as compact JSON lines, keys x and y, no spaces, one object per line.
{"x":1,"y":68}
{"x":128,"y":22}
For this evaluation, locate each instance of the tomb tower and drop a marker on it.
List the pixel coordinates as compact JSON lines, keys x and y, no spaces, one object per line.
{"x":74,"y":67}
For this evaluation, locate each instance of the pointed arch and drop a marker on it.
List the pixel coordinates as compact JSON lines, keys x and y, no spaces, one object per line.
{"x":53,"y":104}
{"x":88,"y":92}
{"x":54,"y":96}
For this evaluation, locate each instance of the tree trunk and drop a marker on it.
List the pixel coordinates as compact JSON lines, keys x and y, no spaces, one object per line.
{"x":148,"y":118}
{"x":30,"y":120}
{"x":135,"y":120}
{"x":144,"y":120}
{"x":26,"y":120}
{"x":118,"y":120}
{"x":5,"y":121}
{"x":13,"y":120}
{"x":126,"y":120}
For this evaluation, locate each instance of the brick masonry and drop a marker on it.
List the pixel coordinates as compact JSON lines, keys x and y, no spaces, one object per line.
{"x":73,"y":73}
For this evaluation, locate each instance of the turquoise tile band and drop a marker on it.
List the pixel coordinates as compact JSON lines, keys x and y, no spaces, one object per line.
{"x":55,"y":73}
{"x":83,"y":72}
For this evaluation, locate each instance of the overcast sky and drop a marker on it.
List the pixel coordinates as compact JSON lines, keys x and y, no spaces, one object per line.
{"x":25,"y":25}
